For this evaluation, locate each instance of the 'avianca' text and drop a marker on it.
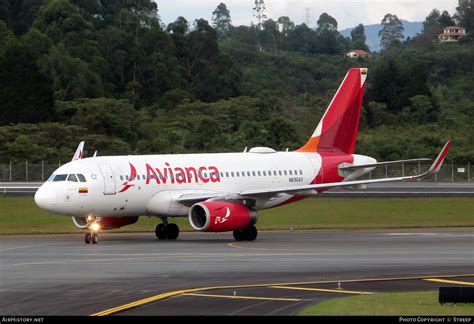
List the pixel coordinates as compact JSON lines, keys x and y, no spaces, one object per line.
{"x":182,"y":175}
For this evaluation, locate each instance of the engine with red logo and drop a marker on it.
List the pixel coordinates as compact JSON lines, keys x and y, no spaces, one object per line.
{"x":221,"y":216}
{"x":105,"y":223}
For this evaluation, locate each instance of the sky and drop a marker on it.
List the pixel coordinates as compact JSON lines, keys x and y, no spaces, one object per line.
{"x":348,"y":13}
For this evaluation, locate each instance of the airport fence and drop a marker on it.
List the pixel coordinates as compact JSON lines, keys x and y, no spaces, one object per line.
{"x":450,"y":172}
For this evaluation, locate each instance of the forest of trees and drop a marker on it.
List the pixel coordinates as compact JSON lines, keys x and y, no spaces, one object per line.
{"x":111,"y":73}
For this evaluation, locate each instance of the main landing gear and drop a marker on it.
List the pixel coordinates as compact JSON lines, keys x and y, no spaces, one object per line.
{"x":94,"y":228}
{"x":168,"y":231}
{"x":248,"y":233}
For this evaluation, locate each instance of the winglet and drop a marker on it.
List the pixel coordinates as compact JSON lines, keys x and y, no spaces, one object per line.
{"x":436,"y":166}
{"x":79,"y":152}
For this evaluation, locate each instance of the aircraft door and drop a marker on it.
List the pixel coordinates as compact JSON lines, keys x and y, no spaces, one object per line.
{"x":109,"y":179}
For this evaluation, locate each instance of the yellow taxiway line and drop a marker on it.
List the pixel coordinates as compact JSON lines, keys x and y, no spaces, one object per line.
{"x":464,"y":283}
{"x":244,"y":297}
{"x":193,"y":290}
{"x":341,"y":291}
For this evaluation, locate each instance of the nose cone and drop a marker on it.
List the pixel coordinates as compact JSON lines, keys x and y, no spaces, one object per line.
{"x":45,"y":198}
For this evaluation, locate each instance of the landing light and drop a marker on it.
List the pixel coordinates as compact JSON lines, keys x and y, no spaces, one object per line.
{"x":95,"y":227}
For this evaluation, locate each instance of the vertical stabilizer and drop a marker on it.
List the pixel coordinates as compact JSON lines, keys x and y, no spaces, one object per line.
{"x":337,"y":130}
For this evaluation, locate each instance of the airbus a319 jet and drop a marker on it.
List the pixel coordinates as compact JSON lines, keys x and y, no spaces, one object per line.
{"x":218,"y":192}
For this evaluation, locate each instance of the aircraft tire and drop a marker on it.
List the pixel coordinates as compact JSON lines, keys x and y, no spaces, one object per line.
{"x":160,"y":231}
{"x":238,"y":235}
{"x":95,"y":238}
{"x":172,"y":231}
{"x":88,"y":238}
{"x":250,"y":233}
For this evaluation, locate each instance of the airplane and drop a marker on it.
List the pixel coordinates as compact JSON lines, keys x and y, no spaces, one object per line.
{"x":218,"y":192}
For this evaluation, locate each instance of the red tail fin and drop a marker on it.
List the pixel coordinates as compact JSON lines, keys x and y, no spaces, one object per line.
{"x":338,"y":128}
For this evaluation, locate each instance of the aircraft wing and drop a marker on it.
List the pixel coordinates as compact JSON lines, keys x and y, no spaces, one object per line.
{"x":372,"y":165}
{"x":190,"y":199}
{"x":310,"y":189}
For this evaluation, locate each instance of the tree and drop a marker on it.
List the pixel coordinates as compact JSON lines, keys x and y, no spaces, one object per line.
{"x":358,"y":38}
{"x":259,"y":12}
{"x":445,"y":20}
{"x":25,"y":93}
{"x":285,"y":25}
{"x":326,"y":23}
{"x":465,"y":15}
{"x":391,"y":32}
{"x":431,"y":25}
{"x":328,"y":41}
{"x":270,"y":36}
{"x":221,"y":20}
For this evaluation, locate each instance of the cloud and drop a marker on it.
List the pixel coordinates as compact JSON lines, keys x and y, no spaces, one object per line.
{"x":348,"y":13}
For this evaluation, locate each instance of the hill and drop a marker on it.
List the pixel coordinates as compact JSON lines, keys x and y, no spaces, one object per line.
{"x":372,"y":32}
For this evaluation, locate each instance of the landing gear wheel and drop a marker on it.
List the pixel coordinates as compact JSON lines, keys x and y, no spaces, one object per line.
{"x":160,"y":231}
{"x":250,"y":233}
{"x":238,"y":235}
{"x":88,"y":238}
{"x":172,"y":231}
{"x":95,"y":238}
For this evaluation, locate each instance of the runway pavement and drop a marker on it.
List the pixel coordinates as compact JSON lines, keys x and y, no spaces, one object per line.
{"x":211,"y":274}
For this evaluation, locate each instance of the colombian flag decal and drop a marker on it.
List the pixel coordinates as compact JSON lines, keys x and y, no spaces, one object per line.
{"x":83,"y":190}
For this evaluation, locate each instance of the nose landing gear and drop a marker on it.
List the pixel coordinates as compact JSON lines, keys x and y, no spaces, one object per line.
{"x":94,"y":228}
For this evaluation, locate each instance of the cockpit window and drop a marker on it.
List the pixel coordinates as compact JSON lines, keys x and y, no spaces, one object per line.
{"x":72,"y":178}
{"x":51,"y":177}
{"x":81,"y":178}
{"x":60,"y":177}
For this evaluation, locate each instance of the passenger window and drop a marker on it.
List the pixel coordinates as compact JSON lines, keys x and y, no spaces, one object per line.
{"x":232,"y":174}
{"x":227,"y":174}
{"x":238,"y":174}
{"x":301,"y":172}
{"x":222,"y":174}
{"x":138,"y":176}
{"x":291,"y":172}
{"x":258,"y":173}
{"x":285,"y":172}
{"x":248,"y":173}
{"x":121,"y":178}
{"x":243,"y":173}
{"x":60,"y":177}
{"x":264,"y":173}
{"x":279,"y":172}
{"x":274,"y":173}
{"x":72,"y":178}
{"x":296,"y":172}
{"x":253,"y":172}
{"x":126,"y":177}
{"x":81,"y":178}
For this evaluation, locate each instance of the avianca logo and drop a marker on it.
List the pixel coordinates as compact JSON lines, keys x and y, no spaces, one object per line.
{"x":133,"y":175}
{"x":220,"y":220}
{"x":173,"y":175}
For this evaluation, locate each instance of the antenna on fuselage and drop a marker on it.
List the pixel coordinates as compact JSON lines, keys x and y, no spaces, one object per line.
{"x":245,"y":150}
{"x":95,"y":154}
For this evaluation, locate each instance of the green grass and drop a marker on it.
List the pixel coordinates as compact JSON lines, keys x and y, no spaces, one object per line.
{"x":19,"y":215}
{"x":390,"y":304}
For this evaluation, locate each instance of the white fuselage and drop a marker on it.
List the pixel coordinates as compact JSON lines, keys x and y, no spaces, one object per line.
{"x":151,"y":184}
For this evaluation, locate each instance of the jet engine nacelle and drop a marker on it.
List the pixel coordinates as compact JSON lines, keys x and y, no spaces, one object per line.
{"x":106,"y":223}
{"x":220,"y":216}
